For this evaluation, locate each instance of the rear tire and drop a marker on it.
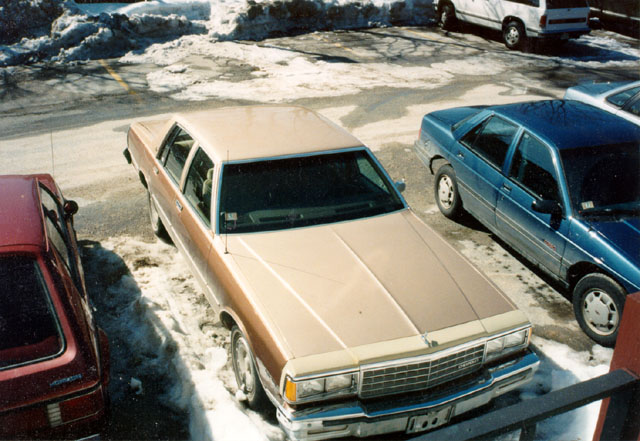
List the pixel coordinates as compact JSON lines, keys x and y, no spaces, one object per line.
{"x":446,"y":192}
{"x":154,"y":219}
{"x":514,"y":35}
{"x":447,"y":17}
{"x":598,"y":301}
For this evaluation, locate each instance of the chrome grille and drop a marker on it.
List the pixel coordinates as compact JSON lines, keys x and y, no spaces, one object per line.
{"x":420,"y":373}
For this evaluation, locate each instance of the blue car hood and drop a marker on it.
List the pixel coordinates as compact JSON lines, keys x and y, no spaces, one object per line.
{"x":623,"y":234}
{"x":456,"y":114}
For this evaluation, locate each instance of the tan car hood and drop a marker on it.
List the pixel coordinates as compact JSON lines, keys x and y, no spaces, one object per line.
{"x":355,"y":283}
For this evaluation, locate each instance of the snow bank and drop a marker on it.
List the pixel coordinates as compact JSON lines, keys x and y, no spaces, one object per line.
{"x":60,"y":30}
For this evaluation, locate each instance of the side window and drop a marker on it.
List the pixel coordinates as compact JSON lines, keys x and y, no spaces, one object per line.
{"x":491,"y":140}
{"x":532,"y":167}
{"x":199,"y":183}
{"x":622,"y":97}
{"x":57,"y":239}
{"x":174,"y":153}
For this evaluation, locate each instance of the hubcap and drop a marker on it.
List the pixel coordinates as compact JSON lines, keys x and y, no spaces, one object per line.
{"x":445,"y":191}
{"x":244,"y":366}
{"x":512,"y":36}
{"x":600,"y":312}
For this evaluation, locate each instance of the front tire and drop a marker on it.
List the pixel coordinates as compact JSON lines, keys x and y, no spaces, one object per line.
{"x":598,"y":301}
{"x":447,"y":17}
{"x":513,"y":35}
{"x":244,"y":368}
{"x":446,"y":192}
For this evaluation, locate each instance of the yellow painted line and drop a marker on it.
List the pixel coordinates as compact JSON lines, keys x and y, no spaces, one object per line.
{"x":420,"y":34}
{"x":338,"y":45}
{"x":118,"y":78}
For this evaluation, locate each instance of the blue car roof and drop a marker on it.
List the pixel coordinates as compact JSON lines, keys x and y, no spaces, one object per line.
{"x":570,"y":124}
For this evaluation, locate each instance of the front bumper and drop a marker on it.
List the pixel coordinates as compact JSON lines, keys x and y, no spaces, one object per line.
{"x":412,"y":414}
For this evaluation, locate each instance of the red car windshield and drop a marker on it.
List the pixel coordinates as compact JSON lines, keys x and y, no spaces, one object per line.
{"x":28,"y":324}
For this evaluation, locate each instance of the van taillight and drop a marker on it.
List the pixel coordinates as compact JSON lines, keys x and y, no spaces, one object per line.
{"x":543,"y":22}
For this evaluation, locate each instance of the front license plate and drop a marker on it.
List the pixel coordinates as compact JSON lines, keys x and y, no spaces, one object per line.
{"x":420,"y":423}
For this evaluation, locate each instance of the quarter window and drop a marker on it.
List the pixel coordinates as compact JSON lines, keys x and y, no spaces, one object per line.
{"x":491,"y":140}
{"x":532,"y":167}
{"x":198,"y":186}
{"x":174,"y":154}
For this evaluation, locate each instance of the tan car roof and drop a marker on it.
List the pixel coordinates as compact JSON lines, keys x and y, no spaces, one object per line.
{"x":250,"y":132}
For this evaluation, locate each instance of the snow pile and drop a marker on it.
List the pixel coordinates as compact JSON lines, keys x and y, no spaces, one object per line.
{"x":71,"y":34}
{"x":60,"y":30}
{"x":164,"y":337}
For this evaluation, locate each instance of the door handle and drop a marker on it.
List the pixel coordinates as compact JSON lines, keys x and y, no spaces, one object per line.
{"x":155,"y":170}
{"x":506,"y":188}
{"x":178,"y":205}
{"x":460,"y":155}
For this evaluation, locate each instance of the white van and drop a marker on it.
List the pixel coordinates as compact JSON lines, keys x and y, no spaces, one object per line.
{"x":519,"y":20}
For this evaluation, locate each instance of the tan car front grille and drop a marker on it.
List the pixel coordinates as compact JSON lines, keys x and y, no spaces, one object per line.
{"x":421,"y":374}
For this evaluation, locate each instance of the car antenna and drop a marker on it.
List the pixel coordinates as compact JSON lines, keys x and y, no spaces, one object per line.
{"x":53,"y":166}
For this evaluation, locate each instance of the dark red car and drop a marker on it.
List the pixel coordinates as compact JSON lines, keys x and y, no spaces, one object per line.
{"x":54,"y":360}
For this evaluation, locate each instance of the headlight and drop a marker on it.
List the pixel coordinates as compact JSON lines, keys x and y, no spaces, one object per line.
{"x":321,"y":388}
{"x":508,"y":343}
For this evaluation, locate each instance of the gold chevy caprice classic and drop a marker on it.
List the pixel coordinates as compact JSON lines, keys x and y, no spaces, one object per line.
{"x":348,"y":314}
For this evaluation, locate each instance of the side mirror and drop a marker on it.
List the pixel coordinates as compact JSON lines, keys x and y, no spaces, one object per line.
{"x":401,"y":186}
{"x":546,"y":207}
{"x":70,"y":208}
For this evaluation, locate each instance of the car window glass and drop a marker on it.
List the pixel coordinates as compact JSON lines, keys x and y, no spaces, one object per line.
{"x":28,"y":324}
{"x":620,"y":98}
{"x":532,"y":167}
{"x":57,"y":239}
{"x":197,"y":188}
{"x":301,"y":191}
{"x":535,"y":3}
{"x":634,"y":108}
{"x":491,"y":140}
{"x":175,"y":152}
{"x":561,"y":4}
{"x":367,"y":170}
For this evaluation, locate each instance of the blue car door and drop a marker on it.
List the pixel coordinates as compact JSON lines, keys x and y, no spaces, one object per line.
{"x":539,"y":233}
{"x":480,"y":156}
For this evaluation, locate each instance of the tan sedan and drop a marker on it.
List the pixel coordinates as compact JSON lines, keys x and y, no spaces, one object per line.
{"x":348,"y":314}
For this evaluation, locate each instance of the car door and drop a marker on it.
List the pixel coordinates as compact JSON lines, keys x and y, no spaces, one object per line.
{"x":538,"y":233}
{"x":480,"y":156}
{"x":165,"y":188}
{"x":194,"y":228}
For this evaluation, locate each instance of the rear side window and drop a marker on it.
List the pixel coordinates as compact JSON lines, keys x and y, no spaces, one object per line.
{"x":561,"y":4}
{"x":28,"y":324}
{"x":620,"y":98}
{"x":535,"y":3}
{"x":175,"y":152}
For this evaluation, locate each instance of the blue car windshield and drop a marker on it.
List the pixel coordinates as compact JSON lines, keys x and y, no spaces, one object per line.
{"x":603,"y":180}
{"x":307,"y":190}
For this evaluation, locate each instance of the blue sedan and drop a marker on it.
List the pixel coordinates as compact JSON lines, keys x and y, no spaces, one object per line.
{"x":557,"y":180}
